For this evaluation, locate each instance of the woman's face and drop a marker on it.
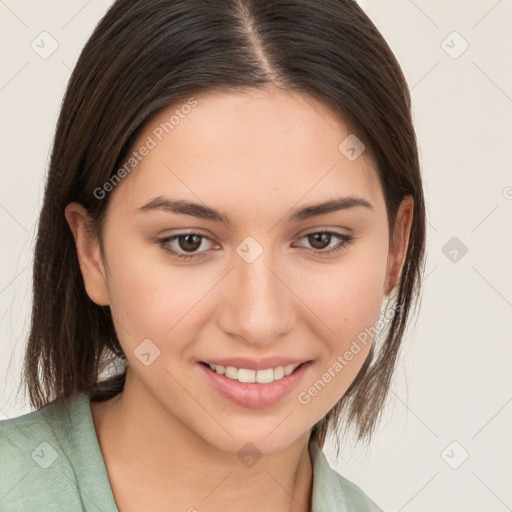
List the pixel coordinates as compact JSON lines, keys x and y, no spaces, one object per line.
{"x":261,"y":287}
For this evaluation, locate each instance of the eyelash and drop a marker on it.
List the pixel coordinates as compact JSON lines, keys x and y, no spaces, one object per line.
{"x":344,"y":239}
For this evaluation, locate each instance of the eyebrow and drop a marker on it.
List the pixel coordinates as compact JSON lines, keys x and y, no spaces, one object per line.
{"x":205,"y":212}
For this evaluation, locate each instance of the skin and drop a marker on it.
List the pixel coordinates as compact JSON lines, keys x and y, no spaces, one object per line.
{"x":170,"y":439}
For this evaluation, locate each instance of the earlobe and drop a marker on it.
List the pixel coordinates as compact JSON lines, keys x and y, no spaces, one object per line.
{"x":88,"y":253}
{"x":400,"y":243}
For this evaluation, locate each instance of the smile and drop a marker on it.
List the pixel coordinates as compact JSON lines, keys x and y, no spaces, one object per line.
{"x":254,"y":388}
{"x":260,"y":376}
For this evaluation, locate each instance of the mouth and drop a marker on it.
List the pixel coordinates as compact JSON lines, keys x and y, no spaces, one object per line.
{"x":248,"y":375}
{"x":254,"y":388}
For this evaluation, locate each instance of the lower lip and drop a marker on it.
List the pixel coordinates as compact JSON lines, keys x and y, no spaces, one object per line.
{"x":254,"y":394}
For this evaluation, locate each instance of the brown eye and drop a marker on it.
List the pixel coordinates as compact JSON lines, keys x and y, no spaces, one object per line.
{"x":189,"y":242}
{"x":184,"y":246}
{"x":320,"y":241}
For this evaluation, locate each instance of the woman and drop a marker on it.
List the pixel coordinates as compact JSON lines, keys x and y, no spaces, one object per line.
{"x":234,"y":212}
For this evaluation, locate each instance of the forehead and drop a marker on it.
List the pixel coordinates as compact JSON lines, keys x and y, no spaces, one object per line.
{"x":250,"y":143}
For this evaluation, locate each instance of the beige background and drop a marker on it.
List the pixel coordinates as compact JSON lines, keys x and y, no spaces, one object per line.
{"x":453,"y":382}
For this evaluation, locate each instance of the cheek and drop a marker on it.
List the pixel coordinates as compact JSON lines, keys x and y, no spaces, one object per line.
{"x":348,"y":302}
{"x":346,"y":297}
{"x":150,"y":299}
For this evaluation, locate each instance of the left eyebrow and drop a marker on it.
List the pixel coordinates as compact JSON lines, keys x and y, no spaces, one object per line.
{"x":205,"y":212}
{"x":342,"y":203}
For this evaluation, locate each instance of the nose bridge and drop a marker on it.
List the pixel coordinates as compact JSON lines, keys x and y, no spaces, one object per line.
{"x":258,"y":305}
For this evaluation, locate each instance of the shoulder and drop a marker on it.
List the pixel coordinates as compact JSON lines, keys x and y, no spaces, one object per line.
{"x":35,"y":472}
{"x":17,"y":435}
{"x":14,"y":430}
{"x":22,"y":441}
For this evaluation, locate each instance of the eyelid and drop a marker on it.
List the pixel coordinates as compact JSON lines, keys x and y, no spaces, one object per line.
{"x":340,"y":230}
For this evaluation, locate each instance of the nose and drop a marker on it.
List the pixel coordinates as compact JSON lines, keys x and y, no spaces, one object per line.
{"x":257,"y":303}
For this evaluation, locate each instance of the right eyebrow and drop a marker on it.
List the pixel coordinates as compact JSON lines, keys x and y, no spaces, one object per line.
{"x":186,"y":208}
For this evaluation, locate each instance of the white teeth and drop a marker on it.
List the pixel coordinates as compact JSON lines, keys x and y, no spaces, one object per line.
{"x":231,"y":372}
{"x":261,"y":376}
{"x":265,"y":376}
{"x":278,"y":372}
{"x":245,"y":375}
{"x":289,"y":369}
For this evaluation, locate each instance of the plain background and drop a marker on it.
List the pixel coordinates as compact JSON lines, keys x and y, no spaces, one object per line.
{"x":452,"y":393}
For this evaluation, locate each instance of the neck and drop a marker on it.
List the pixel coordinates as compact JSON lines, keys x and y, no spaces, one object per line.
{"x":150,"y":453}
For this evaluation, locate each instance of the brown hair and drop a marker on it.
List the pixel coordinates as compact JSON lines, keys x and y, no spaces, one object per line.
{"x":144,"y":56}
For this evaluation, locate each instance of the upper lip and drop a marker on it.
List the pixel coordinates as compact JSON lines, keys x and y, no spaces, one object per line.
{"x":255,"y":364}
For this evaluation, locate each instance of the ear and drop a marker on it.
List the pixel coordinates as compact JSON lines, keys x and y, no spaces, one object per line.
{"x":89,"y":254}
{"x":399,"y":243}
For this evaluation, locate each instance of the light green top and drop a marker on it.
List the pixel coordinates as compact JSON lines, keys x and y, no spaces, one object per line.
{"x":50,"y":460}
